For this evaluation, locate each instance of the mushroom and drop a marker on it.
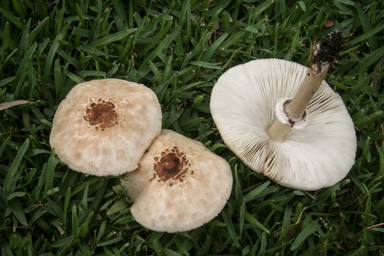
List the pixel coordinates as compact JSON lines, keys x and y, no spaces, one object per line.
{"x":103,"y":127}
{"x":310,"y":149}
{"x":179,"y":186}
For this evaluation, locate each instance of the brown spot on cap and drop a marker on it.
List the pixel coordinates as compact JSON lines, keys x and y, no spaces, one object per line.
{"x":154,"y":176}
{"x":102,"y":115}
{"x":168,"y":166}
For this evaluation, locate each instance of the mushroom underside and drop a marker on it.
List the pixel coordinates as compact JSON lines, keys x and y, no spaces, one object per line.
{"x":242,"y":105}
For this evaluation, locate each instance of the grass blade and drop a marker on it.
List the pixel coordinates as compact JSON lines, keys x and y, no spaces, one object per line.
{"x":307,"y":231}
{"x":9,"y":179}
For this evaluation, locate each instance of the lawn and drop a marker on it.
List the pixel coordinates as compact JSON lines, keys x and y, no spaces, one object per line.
{"x":179,"y":49}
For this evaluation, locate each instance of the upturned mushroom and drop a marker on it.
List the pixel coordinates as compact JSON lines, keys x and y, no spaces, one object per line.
{"x":281,"y":119}
{"x":179,"y":185}
{"x":103,"y":127}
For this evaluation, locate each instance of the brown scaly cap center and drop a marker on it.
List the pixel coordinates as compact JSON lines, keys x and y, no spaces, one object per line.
{"x":172,"y":164}
{"x":101,"y":115}
{"x":169,"y":166}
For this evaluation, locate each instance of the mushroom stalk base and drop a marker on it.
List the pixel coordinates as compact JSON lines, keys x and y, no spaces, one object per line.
{"x":278,"y":130}
{"x":296,"y":108}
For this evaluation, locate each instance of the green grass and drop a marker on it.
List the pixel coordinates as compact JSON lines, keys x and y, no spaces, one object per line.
{"x":179,"y":49}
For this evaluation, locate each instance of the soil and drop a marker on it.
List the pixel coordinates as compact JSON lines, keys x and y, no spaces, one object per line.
{"x":328,"y":49}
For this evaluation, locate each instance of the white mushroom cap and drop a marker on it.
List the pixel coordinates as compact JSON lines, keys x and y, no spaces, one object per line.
{"x":103,"y":127}
{"x":242,"y":105}
{"x":180,"y":184}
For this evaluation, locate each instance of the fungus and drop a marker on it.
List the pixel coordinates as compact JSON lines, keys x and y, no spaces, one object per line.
{"x":179,"y":185}
{"x":103,"y":127}
{"x":305,"y":148}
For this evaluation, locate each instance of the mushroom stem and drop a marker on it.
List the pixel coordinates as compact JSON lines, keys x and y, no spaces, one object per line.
{"x":311,"y":83}
{"x":278,"y":130}
{"x":321,"y":57}
{"x":296,"y":108}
